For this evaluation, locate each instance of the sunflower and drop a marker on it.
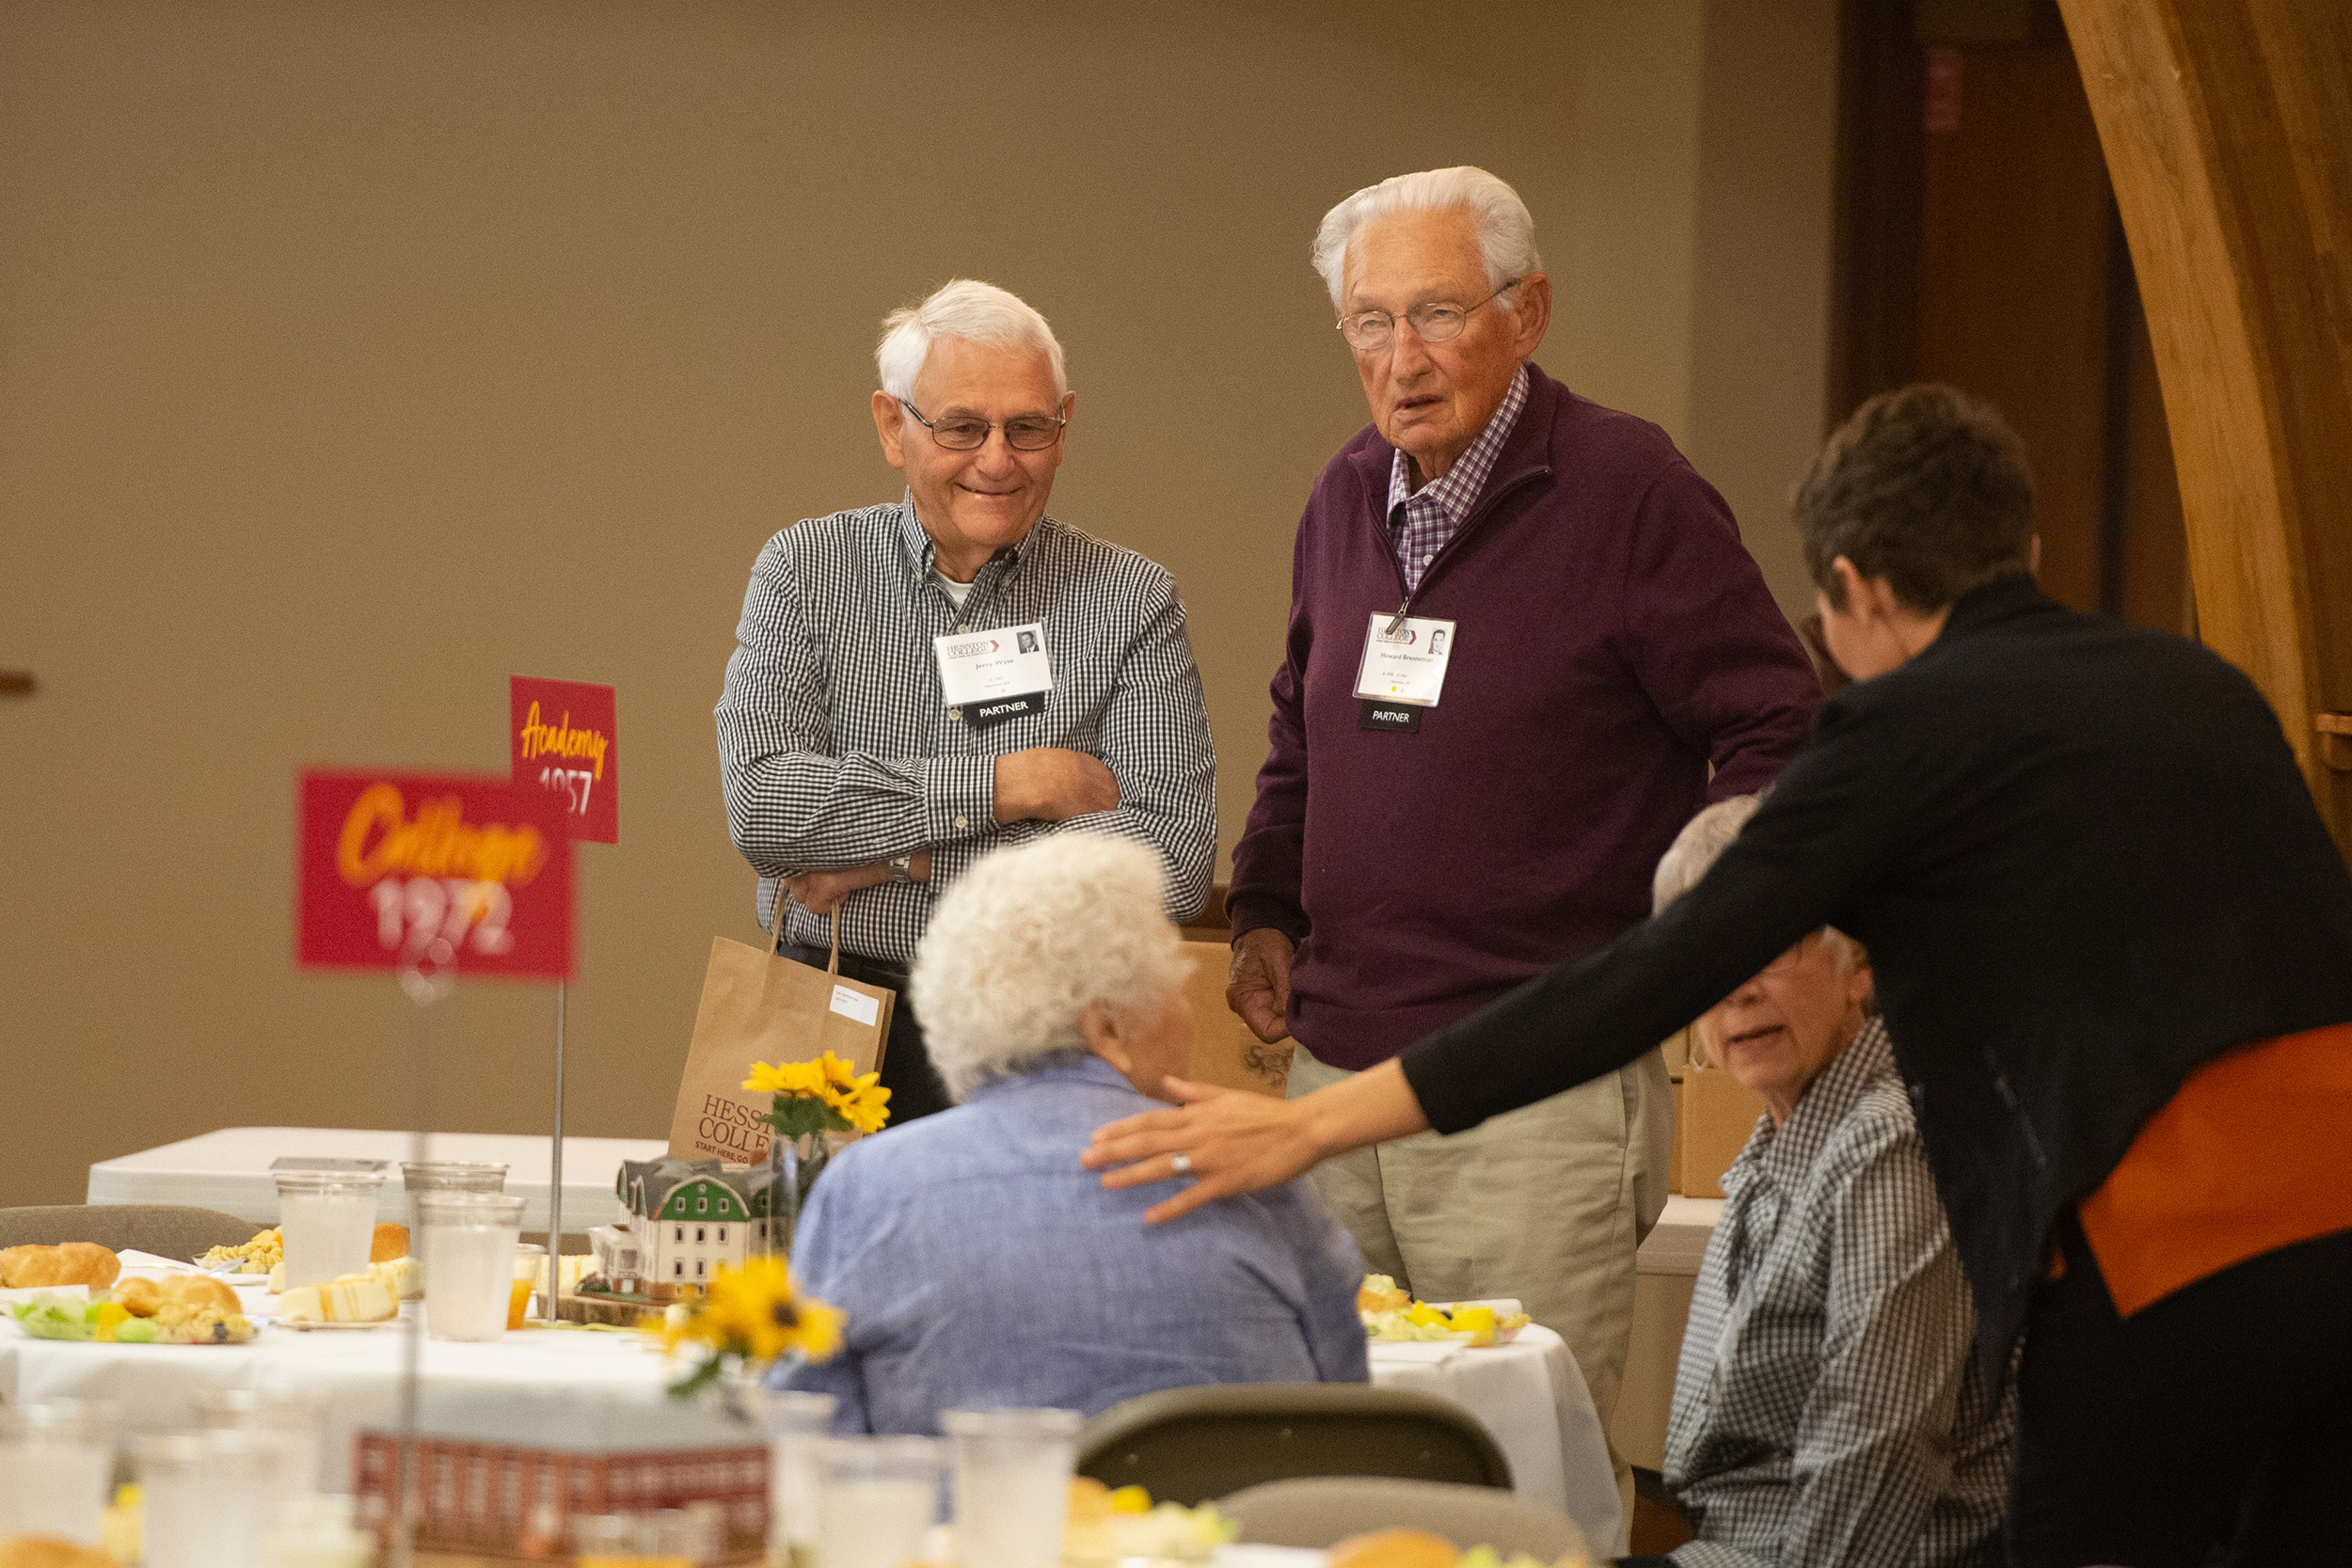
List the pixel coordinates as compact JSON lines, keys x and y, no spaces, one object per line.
{"x":752,"y":1313}
{"x":862,"y":1102}
{"x":796,"y":1080}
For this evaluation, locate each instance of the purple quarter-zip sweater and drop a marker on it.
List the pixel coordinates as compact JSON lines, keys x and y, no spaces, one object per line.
{"x":1613,"y":639}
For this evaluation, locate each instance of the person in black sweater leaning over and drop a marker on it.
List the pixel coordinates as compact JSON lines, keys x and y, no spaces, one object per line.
{"x":2113,"y":946}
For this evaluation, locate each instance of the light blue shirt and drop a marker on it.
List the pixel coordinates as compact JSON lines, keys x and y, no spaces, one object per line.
{"x":981,"y":1265}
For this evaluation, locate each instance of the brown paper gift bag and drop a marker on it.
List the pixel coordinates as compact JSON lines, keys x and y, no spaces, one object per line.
{"x":764,"y":1007}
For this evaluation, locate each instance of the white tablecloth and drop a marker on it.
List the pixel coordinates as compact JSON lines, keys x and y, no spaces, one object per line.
{"x":572,"y":1387}
{"x":1531,"y":1399}
{"x":229,"y":1171}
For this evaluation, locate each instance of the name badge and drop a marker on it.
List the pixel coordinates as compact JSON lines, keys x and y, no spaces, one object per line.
{"x":989,"y":676}
{"x":1405,"y":666}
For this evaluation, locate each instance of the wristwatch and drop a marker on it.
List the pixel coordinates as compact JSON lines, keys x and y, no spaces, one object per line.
{"x":902,"y":868}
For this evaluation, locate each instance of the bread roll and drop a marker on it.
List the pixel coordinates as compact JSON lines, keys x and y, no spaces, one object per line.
{"x":73,"y":1263}
{"x":391,"y":1241}
{"x":1395,"y":1548}
{"x":185,"y":1295}
{"x":140,"y":1297}
{"x":48,"y":1551}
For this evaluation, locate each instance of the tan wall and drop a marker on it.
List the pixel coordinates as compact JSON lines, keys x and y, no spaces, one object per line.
{"x":354,"y":357}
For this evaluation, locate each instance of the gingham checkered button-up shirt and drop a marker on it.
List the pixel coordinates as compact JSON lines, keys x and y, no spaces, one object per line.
{"x":1828,"y":1412}
{"x":1420,"y":521}
{"x":837,"y":749}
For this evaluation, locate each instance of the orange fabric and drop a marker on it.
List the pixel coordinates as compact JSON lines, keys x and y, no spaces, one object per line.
{"x":2247,"y":1158}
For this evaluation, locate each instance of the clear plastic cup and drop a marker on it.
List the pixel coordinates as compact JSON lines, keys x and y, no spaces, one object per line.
{"x":1012,"y":1484}
{"x":879,"y":1498}
{"x":328,"y":1221}
{"x":453,"y":1176}
{"x":298,"y":1415}
{"x":797,"y":1424}
{"x":57,"y":1467}
{"x":531,"y":1272}
{"x":210,"y":1499}
{"x":468,"y":1246}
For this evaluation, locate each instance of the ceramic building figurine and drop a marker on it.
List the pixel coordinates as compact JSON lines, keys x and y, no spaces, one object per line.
{"x":681,"y":1220}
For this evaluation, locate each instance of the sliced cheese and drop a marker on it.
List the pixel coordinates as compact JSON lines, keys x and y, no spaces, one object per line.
{"x":405,"y":1276}
{"x":354,"y":1299}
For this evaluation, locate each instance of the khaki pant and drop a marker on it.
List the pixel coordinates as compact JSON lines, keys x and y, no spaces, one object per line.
{"x":1545,"y":1203}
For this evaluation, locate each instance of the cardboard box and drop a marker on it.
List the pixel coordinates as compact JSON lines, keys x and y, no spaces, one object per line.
{"x":1717,"y":1114}
{"x":1224,"y":1051}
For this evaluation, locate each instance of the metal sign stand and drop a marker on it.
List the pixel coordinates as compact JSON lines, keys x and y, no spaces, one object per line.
{"x":555,"y":1177}
{"x":424,"y":991}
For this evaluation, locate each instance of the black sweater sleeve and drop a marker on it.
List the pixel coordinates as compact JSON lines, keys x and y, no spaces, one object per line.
{"x":1800,"y":863}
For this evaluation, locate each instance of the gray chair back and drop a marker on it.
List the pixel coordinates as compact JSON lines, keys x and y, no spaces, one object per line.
{"x":1320,"y":1511}
{"x":1189,"y":1444}
{"x":172,"y":1230}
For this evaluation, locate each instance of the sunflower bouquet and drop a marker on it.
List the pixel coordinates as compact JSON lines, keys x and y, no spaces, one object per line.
{"x":811,"y":1101}
{"x":750,"y":1315}
{"x":827,"y":1095}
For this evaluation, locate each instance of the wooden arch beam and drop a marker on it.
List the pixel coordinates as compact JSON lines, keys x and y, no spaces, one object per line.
{"x":2228,"y":131}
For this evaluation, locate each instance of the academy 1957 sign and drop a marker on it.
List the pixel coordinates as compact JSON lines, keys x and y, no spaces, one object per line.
{"x":564,"y":738}
{"x":433,"y":871}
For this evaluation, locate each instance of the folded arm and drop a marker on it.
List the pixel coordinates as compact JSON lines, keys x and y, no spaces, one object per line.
{"x":792,"y":805}
{"x":1153,"y":738}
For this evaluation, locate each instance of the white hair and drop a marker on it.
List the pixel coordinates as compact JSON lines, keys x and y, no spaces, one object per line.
{"x":1702,"y":843}
{"x":1506,"y":231}
{"x":974,"y":311}
{"x":1698,"y":847}
{"x":1027,"y":938}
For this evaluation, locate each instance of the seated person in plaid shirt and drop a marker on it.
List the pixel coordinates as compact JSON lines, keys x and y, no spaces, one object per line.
{"x":1828,"y":1411}
{"x":858,"y":784}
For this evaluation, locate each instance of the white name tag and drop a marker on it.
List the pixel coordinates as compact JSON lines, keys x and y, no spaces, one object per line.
{"x":855,"y":1006}
{"x":989,"y":666}
{"x":1406,"y":665}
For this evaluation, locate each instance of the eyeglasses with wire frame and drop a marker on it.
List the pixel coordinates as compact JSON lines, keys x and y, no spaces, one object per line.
{"x":962,"y":433}
{"x":1434,"y":320}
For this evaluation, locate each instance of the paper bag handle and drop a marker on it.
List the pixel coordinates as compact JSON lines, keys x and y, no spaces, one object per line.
{"x":775,"y":934}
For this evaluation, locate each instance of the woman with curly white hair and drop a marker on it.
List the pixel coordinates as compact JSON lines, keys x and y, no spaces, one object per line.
{"x":978,"y":1264}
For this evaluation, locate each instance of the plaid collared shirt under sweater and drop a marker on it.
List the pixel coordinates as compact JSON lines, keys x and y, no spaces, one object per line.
{"x":1420,"y":521}
{"x":1827,"y":1411}
{"x":837,"y":749}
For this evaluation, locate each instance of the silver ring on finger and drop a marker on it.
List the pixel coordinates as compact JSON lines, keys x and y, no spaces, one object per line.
{"x":1181,"y":1163}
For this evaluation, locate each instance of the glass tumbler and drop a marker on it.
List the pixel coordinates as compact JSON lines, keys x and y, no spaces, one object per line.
{"x":469,"y":1250}
{"x":328,"y":1221}
{"x":294,"y":1415}
{"x":57,"y":1466}
{"x":453,"y":1176}
{"x":879,"y":1498}
{"x":797,"y":1424}
{"x":1011,"y":1483}
{"x":208,"y":1499}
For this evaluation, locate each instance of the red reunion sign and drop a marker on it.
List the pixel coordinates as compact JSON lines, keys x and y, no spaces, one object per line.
{"x":438,"y":871}
{"x":565,"y":740}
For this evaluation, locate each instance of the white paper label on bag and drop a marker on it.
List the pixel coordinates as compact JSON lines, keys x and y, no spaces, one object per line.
{"x":855,"y":1006}
{"x":1406,"y":665}
{"x":983,"y":667}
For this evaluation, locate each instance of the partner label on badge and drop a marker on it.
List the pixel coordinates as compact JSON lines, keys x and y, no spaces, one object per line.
{"x":994,"y":666}
{"x":564,"y":739}
{"x":437,"y":872}
{"x":1406,"y":665}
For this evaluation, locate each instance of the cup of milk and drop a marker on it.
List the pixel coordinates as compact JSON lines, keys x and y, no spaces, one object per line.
{"x":328,"y":1219}
{"x":467,"y":1245}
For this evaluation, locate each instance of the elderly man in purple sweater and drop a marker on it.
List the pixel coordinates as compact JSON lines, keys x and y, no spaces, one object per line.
{"x":1523,"y":632}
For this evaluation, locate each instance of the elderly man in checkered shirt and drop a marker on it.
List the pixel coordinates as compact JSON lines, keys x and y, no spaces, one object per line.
{"x":874,"y":740}
{"x":1827,"y":1411}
